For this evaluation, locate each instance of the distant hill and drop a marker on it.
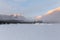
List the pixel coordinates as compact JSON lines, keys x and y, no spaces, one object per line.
{"x":52,"y":16}
{"x":15,"y":18}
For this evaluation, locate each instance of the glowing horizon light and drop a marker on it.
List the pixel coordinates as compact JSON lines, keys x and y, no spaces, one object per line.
{"x":16,"y":15}
{"x":38,"y":17}
{"x":51,"y":11}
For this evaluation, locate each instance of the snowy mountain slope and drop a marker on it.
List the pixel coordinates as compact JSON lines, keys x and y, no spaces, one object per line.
{"x":52,"y":16}
{"x":12,"y":17}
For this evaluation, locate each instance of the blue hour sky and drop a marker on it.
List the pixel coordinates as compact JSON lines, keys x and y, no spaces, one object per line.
{"x":28,"y":7}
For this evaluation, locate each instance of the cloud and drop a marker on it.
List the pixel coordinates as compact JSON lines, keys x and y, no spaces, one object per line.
{"x":38,"y":8}
{"x":52,"y":11}
{"x":6,"y":8}
{"x":20,"y":0}
{"x":3,"y":6}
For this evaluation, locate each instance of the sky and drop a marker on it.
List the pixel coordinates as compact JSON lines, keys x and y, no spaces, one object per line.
{"x":29,"y":8}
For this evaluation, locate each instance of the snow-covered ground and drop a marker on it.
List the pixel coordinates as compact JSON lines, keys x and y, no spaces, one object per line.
{"x":30,"y":32}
